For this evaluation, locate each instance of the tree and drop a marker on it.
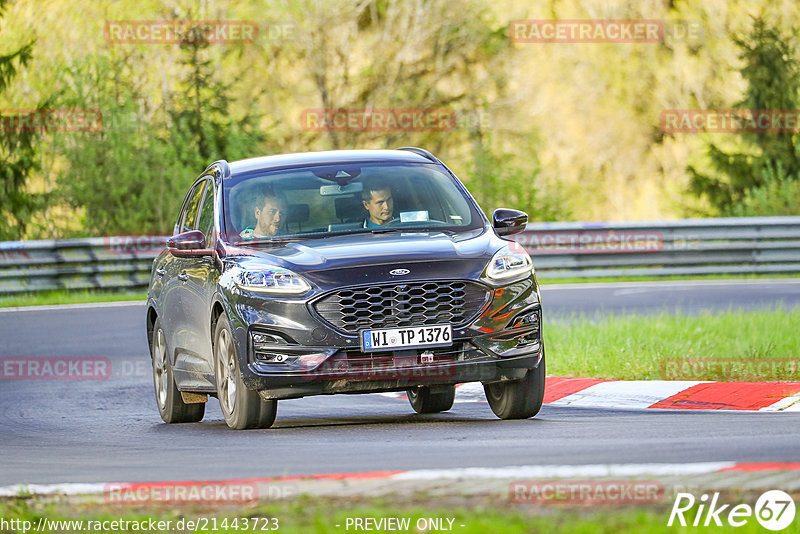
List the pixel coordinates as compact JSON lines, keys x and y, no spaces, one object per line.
{"x":201,"y":125}
{"x":118,"y":177}
{"x":17,"y":152}
{"x":772,"y":73}
{"x":397,"y":54}
{"x":377,"y":56}
{"x":498,"y":181}
{"x":131,"y":175}
{"x":779,"y":195}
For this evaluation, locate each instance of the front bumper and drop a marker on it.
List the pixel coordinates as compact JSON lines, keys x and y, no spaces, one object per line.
{"x":287,"y":352}
{"x":393,"y":378}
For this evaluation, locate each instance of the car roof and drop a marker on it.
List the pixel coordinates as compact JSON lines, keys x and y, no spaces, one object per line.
{"x":329,"y":157}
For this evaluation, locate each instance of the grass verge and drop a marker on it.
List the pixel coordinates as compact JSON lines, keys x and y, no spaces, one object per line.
{"x":728,"y":346}
{"x":64,"y":296}
{"x":327,"y":515}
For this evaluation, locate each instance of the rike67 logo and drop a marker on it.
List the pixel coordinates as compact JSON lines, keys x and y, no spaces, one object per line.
{"x":774,"y":510}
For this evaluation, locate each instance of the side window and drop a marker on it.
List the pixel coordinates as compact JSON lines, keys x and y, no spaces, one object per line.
{"x":206,"y":221}
{"x":189,"y":216}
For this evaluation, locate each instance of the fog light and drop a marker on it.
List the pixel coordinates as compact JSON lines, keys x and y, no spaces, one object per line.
{"x":268,"y":339}
{"x":529,"y":319}
{"x":272,"y":357}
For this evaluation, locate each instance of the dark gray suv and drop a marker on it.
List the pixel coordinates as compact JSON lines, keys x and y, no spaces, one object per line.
{"x":352,"y":271}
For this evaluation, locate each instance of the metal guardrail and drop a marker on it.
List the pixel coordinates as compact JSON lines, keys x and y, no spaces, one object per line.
{"x":748,"y":245}
{"x":566,"y":249}
{"x":98,"y":262}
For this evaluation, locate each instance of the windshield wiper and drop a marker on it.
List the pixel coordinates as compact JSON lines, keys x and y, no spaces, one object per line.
{"x":270,"y":241}
{"x":387,"y":230}
{"x":412,"y":230}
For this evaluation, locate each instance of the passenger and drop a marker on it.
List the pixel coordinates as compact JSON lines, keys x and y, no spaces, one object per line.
{"x":270,"y":211}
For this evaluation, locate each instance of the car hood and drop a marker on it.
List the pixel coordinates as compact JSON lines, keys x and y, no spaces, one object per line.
{"x":368,"y":258}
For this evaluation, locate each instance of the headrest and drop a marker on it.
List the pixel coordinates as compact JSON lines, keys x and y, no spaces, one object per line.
{"x":349,"y":207}
{"x":297,"y":213}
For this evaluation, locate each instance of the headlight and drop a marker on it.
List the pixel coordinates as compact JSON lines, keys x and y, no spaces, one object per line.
{"x":271,"y":280}
{"x":509,"y":262}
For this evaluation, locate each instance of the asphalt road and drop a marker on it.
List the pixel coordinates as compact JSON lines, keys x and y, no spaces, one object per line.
{"x":679,"y":296}
{"x":109,"y":430}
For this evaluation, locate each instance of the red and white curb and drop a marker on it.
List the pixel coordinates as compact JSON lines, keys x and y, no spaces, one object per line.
{"x":663,"y":394}
{"x":391,"y":479}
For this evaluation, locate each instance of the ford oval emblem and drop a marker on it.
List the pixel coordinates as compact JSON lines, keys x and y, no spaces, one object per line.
{"x":399,"y":272}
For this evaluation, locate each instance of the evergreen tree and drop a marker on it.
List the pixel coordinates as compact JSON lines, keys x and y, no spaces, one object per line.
{"x":773,"y":76}
{"x":17,"y":152}
{"x":131,"y":176}
{"x":118,"y":177}
{"x":202,"y":129}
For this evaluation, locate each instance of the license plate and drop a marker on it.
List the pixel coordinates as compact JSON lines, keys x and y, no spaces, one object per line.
{"x":406,"y":338}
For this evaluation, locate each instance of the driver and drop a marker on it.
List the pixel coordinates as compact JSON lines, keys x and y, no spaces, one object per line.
{"x":378,"y":201}
{"x":270,"y":211}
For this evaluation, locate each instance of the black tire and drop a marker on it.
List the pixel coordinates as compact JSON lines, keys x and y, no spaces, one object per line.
{"x":519,"y":399}
{"x":241,"y":407}
{"x":168,"y":398}
{"x":423,"y":401}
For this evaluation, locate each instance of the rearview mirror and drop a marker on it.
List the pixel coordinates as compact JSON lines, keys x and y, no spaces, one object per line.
{"x":188,"y":244}
{"x":347,"y":189}
{"x":507,"y":221}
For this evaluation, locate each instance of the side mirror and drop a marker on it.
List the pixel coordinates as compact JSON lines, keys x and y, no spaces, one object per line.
{"x":188,"y":244}
{"x":507,"y":222}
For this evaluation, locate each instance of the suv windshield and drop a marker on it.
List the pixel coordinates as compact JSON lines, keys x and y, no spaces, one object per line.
{"x":342,"y":199}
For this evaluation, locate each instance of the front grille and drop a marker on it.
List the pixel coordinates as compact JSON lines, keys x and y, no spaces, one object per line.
{"x":399,"y":305}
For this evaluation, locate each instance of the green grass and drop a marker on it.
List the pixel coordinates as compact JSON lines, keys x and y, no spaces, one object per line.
{"x":64,"y":296}
{"x":545,"y":280}
{"x":755,"y":345}
{"x":729,"y":346}
{"x":318,"y":515}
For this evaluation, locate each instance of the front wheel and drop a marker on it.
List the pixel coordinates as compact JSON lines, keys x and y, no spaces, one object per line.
{"x":519,"y":399}
{"x":169,"y":400}
{"x":423,"y":401}
{"x":241,"y":407}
